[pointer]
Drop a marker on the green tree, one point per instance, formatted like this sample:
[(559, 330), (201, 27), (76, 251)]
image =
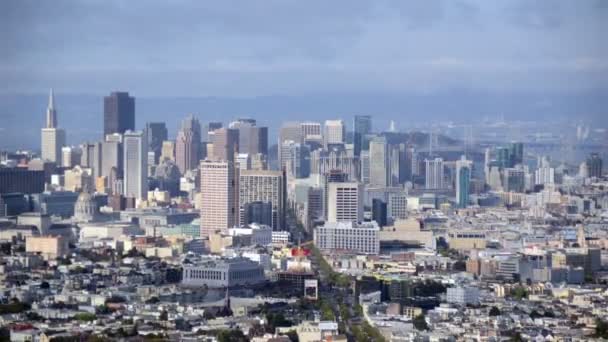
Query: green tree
[(85, 317), (601, 329), (234, 335), (420, 322), (494, 311)]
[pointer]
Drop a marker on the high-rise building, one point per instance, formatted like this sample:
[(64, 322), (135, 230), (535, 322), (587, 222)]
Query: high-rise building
[(364, 161), (336, 158), (513, 180), (594, 165), (394, 165), (362, 127), (463, 181), (118, 113), (52, 137), (135, 164), (434, 174), (379, 212), (379, 165), (225, 144), (345, 202), (168, 151), (335, 132), (252, 138), (311, 131), (397, 205), (263, 186), (348, 236), (92, 157), (209, 130), (257, 212), (516, 152), (70, 156), (219, 196), (156, 133), (111, 155), (188, 145), (295, 159), (333, 176), (544, 174)]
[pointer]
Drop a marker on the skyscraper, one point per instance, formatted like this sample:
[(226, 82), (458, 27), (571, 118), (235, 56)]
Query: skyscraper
[(434, 173), (52, 137), (156, 133), (188, 145), (463, 180), (594, 165), (362, 127), (379, 166), (345, 202), (379, 212), (252, 138), (135, 165), (335, 132), (219, 196), (111, 155), (118, 113), (92, 157), (263, 186), (295, 159), (225, 144)]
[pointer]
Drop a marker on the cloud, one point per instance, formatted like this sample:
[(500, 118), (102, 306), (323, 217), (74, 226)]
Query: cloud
[(258, 48)]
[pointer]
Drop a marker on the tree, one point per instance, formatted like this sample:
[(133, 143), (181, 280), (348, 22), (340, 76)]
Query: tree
[(494, 311), (420, 322), (231, 336), (519, 293), (601, 329), (516, 337), (85, 317), (534, 314), (45, 285), (164, 315)]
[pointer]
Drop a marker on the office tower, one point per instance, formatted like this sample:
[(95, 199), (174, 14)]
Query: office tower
[(118, 113), (295, 159), (188, 145), (397, 205), (156, 133), (335, 132), (112, 156), (21, 180), (336, 158), (311, 131), (379, 212), (252, 138), (78, 179), (92, 157), (513, 180), (594, 165), (243, 161), (365, 167), (434, 174), (544, 174), (378, 160), (257, 212), (135, 173), (263, 186), (348, 236), (345, 202), (289, 131), (225, 144), (168, 151), (52, 137), (70, 156), (463, 181), (333, 176), (362, 127), (219, 196), (209, 130), (394, 165), (259, 161), (516, 153), (406, 158)]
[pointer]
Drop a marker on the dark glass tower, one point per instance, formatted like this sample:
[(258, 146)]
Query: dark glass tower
[(118, 113), (594, 165), (362, 126), (156, 132)]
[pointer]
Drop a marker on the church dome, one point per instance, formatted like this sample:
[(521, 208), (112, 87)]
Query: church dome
[(85, 209)]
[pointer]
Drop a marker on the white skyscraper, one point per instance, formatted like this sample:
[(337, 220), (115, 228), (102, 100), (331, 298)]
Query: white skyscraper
[(263, 186), (345, 202), (378, 161), (135, 164), (219, 196), (52, 138), (434, 174), (335, 132)]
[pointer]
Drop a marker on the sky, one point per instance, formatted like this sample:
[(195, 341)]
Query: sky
[(284, 47)]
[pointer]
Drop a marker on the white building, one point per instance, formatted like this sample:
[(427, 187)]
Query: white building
[(463, 295), (335, 132), (434, 174), (135, 165), (262, 186), (397, 205), (378, 161), (260, 234), (52, 137), (218, 273), (280, 237), (345, 202), (348, 236)]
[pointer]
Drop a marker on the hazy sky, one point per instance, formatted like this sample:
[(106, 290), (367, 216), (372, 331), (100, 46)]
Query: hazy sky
[(267, 47)]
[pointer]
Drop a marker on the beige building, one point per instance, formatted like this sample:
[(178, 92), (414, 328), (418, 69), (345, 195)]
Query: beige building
[(219, 196), (408, 231), (168, 150), (467, 240), (78, 179), (50, 247)]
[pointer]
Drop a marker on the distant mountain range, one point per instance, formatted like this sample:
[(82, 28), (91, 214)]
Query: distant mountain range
[(22, 116)]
